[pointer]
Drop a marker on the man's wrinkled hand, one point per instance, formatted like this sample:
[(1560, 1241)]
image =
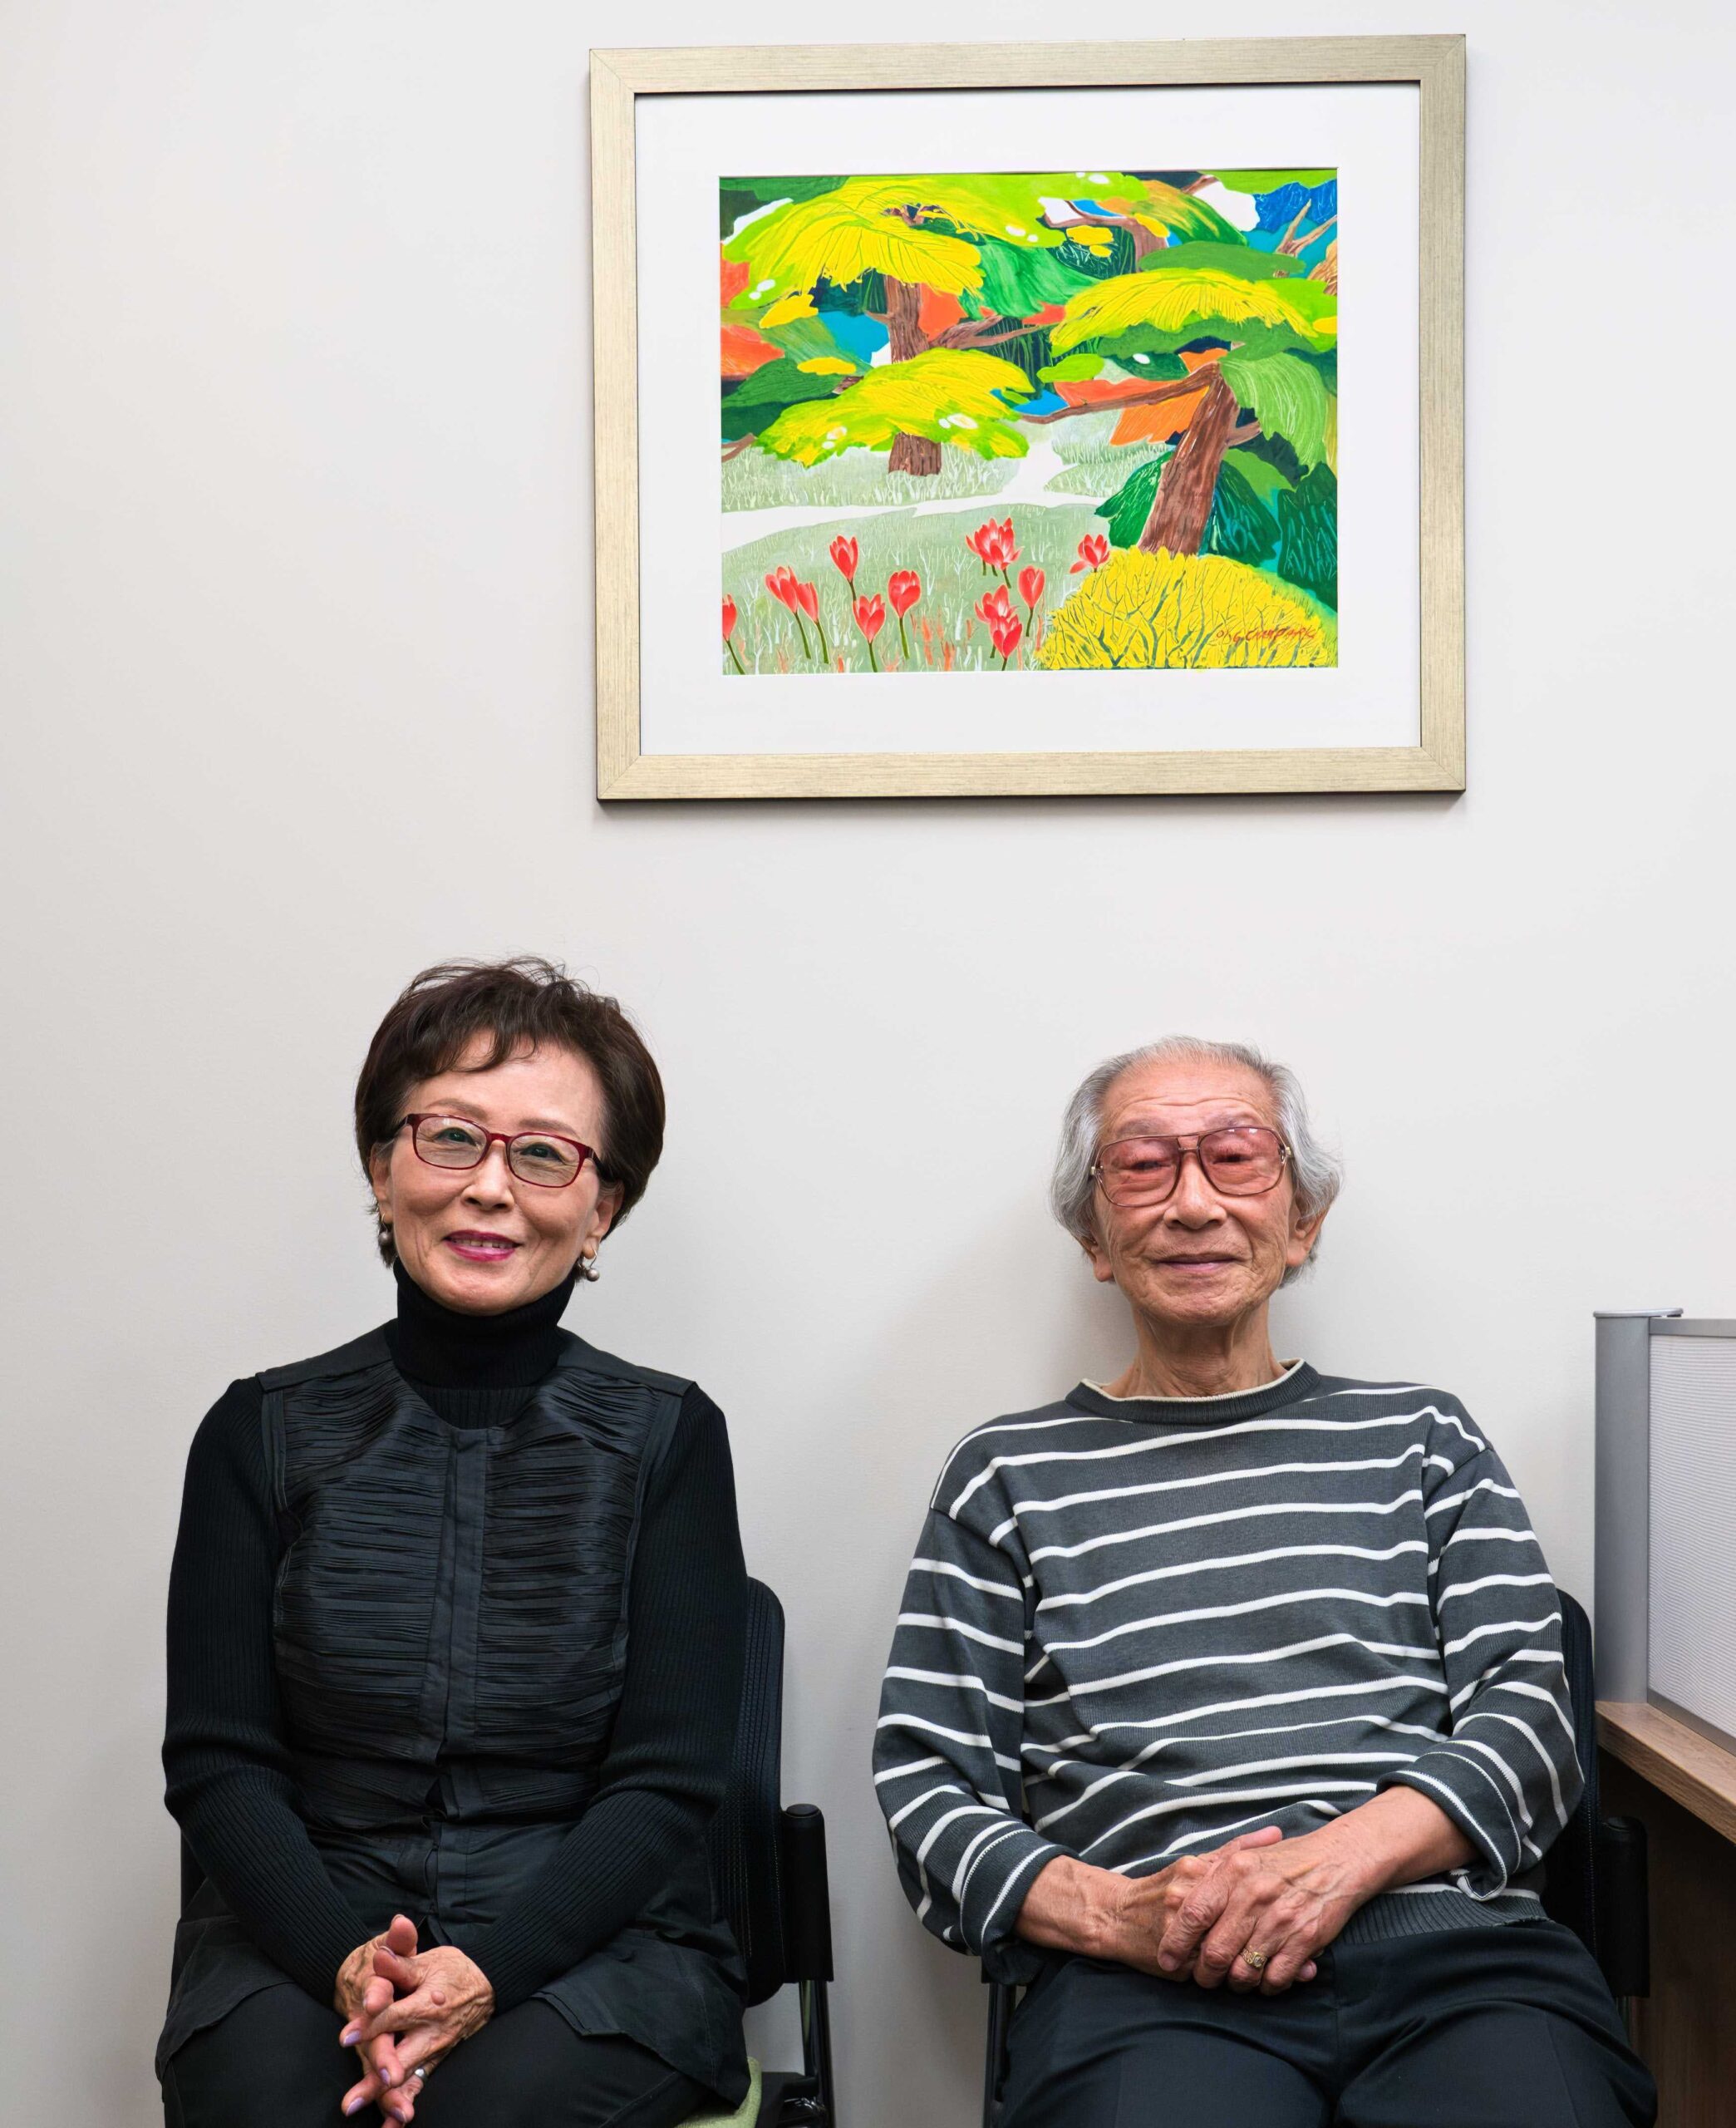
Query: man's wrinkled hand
[(1156, 1910), (1259, 1918)]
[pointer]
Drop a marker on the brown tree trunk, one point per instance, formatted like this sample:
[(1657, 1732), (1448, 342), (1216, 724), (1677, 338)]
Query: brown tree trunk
[(914, 454), (910, 454), (1182, 507)]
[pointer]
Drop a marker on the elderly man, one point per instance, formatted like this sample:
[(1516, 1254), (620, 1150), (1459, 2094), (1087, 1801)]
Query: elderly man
[(1225, 1704)]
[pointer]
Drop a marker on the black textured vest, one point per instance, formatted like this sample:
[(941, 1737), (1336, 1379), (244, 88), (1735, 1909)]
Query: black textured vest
[(449, 1615), (450, 1626)]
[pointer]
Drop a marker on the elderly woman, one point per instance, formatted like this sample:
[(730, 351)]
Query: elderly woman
[(455, 1632), (1226, 1704)]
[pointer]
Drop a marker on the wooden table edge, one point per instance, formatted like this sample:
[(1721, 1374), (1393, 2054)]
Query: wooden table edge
[(1690, 1768)]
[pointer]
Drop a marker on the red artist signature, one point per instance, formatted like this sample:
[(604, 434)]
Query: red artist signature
[(1267, 635)]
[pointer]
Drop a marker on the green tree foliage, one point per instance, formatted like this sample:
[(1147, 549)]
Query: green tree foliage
[(1199, 302), (1290, 399), (1127, 509), (1276, 326), (1241, 528), (1308, 535), (758, 400), (1258, 517), (1004, 247)]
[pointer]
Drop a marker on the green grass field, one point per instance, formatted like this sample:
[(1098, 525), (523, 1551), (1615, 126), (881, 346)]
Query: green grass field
[(756, 480), (1096, 467), (943, 632)]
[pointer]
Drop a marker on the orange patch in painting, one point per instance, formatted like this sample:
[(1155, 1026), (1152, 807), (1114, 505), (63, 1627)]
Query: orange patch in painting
[(732, 279), (938, 310), (1158, 424), (1093, 391), (744, 350)]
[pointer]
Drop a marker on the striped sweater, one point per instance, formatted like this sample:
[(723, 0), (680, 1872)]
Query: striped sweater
[(1135, 1626)]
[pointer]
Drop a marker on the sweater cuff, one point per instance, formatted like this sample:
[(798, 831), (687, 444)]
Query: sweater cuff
[(1463, 1789), (994, 1883)]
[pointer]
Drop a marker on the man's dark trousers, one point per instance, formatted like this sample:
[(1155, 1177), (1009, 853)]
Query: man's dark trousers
[(1502, 2027)]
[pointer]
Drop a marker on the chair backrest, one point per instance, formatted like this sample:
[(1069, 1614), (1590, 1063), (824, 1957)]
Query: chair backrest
[(744, 1838), (1570, 1884)]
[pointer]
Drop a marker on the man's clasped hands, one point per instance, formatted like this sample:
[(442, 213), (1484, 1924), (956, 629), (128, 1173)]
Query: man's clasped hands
[(403, 2011), (1254, 1914)]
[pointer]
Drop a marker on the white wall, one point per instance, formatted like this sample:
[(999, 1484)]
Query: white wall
[(295, 495)]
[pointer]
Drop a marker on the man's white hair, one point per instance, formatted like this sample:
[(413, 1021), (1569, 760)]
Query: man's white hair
[(1315, 1174)]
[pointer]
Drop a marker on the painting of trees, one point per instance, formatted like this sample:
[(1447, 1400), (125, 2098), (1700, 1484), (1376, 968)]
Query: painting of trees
[(925, 322)]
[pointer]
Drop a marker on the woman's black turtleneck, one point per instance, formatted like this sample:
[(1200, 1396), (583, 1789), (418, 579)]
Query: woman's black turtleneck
[(230, 1777), (475, 1370)]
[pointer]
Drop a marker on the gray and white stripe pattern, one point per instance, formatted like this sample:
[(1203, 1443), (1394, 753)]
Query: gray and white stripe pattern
[(1135, 1627)]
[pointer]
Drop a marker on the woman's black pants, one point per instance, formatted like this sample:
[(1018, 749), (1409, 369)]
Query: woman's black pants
[(1501, 2028), (274, 2062)]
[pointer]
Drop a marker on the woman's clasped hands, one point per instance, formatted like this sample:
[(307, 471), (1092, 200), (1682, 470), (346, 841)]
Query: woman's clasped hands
[(404, 2010)]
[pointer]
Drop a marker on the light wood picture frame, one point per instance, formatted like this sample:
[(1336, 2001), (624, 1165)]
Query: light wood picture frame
[(1427, 752)]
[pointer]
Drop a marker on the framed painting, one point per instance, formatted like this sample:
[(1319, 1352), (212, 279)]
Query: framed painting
[(1005, 420)]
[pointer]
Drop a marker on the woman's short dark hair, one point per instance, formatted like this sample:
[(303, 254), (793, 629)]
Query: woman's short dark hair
[(526, 999)]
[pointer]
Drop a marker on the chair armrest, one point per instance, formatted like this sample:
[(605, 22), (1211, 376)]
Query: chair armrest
[(807, 1894), (1624, 1919)]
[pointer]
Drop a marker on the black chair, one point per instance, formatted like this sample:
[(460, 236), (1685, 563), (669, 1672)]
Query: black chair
[(1594, 1876), (771, 1863), (770, 1860)]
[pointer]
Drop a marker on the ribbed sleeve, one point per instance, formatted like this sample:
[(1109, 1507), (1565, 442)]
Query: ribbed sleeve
[(663, 1777), (947, 1763), (224, 1756), (1507, 1774)]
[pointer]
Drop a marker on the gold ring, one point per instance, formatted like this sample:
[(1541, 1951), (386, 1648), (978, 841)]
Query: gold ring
[(1255, 1961)]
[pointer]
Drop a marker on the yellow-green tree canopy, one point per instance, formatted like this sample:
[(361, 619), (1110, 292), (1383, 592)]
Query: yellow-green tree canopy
[(948, 395), (1195, 301), (883, 225)]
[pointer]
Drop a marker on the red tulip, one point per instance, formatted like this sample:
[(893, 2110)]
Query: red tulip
[(904, 588), (807, 597), (783, 588), (844, 553), (1094, 551), (871, 618), (1031, 585), (996, 608), (1007, 638), (994, 544), (729, 618)]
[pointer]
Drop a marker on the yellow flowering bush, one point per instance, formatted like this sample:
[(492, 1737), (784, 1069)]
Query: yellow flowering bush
[(1143, 610)]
